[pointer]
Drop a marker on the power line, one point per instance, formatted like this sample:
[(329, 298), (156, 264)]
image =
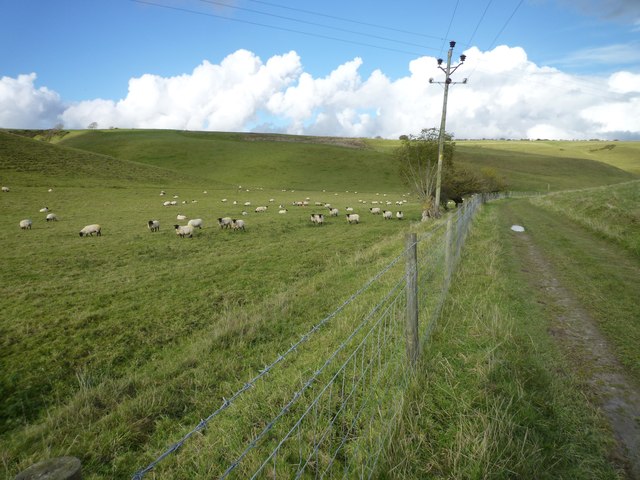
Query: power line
[(347, 20), (290, 30), (475, 30), (449, 27), (505, 24), (282, 17)]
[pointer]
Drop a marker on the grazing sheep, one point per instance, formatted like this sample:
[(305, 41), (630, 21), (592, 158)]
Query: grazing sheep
[(223, 200), (44, 209), (261, 209), (173, 202), (181, 217), (196, 223), (50, 190), (246, 204), (51, 217), (399, 215), (333, 212), (387, 214), (349, 209), (184, 230), (353, 218), (225, 222), (89, 230), (25, 224), (317, 218), (237, 224), (5, 189), (244, 212), (166, 204), (162, 193), (375, 210), (283, 210), (154, 225)]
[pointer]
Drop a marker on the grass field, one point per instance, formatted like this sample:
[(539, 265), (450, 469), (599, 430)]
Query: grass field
[(112, 346)]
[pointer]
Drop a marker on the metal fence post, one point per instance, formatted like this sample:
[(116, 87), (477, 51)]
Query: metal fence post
[(412, 298)]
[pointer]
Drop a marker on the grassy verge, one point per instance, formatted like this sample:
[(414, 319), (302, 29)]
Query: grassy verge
[(603, 277), (492, 397), (612, 212)]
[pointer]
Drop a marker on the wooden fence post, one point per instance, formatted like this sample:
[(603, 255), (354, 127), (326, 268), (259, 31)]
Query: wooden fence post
[(447, 250), (412, 298)]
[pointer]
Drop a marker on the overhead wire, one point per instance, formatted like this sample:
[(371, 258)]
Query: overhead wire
[(316, 24), (285, 29), (444, 40), (343, 19)]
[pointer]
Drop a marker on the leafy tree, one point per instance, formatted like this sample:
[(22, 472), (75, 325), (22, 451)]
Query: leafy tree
[(417, 158), (93, 125)]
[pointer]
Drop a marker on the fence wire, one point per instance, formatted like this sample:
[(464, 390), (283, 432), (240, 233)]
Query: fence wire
[(336, 422)]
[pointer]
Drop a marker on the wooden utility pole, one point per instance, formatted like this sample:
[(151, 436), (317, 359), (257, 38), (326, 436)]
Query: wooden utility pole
[(443, 121)]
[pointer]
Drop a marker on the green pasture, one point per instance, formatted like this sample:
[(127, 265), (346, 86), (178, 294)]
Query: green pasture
[(113, 346)]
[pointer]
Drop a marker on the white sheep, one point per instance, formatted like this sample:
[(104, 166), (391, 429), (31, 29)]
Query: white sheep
[(237, 224), (225, 222), (154, 225), (25, 224), (89, 230), (349, 209), (195, 222), (399, 215), (5, 189), (261, 209), (51, 217), (317, 218), (44, 209), (353, 218), (283, 211), (375, 210), (181, 217), (387, 214), (333, 212), (184, 230), (166, 204)]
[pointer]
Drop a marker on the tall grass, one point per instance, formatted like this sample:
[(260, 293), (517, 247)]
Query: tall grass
[(492, 398)]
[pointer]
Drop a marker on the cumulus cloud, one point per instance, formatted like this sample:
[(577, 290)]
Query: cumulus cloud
[(507, 96), (22, 105)]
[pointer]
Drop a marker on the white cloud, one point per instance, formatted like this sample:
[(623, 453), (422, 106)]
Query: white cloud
[(22, 105), (506, 96)]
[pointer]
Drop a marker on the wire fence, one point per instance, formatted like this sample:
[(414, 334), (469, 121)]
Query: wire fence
[(330, 415)]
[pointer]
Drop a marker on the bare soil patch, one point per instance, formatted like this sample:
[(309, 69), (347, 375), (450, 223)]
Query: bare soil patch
[(576, 331)]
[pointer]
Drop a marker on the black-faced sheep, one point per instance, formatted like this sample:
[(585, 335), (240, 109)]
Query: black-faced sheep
[(89, 230), (317, 218), (51, 217), (237, 224), (196, 223), (375, 210), (154, 225), (399, 215), (387, 214), (25, 224), (225, 222), (353, 218), (184, 230)]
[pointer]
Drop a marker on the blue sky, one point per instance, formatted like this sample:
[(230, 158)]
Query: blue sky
[(84, 54)]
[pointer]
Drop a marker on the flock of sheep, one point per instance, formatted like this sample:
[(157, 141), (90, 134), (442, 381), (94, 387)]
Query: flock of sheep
[(233, 223)]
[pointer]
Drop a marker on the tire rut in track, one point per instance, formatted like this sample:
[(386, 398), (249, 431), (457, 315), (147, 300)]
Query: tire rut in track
[(576, 331)]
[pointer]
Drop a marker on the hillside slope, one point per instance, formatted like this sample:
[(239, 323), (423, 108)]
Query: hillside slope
[(25, 161)]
